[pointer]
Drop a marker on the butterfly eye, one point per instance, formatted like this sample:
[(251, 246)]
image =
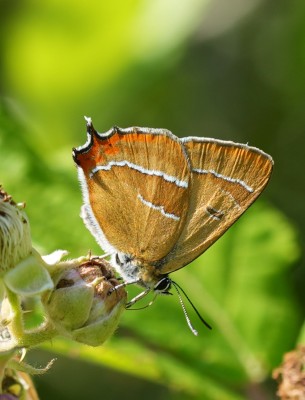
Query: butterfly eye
[(118, 260), (163, 285), (122, 259)]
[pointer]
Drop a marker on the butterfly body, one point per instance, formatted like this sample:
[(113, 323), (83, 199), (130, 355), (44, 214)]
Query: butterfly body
[(156, 202), (131, 270)]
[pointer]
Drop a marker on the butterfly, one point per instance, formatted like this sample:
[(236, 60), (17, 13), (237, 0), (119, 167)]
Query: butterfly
[(155, 202)]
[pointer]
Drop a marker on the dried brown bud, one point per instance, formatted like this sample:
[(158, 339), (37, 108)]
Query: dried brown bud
[(291, 375)]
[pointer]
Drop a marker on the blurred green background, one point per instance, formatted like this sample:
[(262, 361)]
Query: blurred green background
[(232, 70)]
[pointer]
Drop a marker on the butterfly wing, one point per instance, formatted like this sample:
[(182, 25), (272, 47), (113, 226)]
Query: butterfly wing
[(136, 199), (226, 179)]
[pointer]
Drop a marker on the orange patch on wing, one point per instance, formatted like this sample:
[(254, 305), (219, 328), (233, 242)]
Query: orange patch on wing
[(110, 145), (104, 148)]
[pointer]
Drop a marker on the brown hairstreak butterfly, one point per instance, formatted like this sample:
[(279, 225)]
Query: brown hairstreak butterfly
[(155, 202)]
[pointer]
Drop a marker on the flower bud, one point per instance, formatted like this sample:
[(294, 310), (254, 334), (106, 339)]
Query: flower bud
[(17, 385), (83, 305), (15, 236)]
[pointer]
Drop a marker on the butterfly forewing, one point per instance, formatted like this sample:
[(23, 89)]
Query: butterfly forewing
[(136, 194), (226, 179)]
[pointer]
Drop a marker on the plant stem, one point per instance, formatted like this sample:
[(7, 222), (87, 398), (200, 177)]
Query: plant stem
[(16, 324), (20, 337), (38, 335)]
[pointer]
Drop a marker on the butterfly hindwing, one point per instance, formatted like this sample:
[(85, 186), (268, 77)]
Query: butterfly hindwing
[(226, 179)]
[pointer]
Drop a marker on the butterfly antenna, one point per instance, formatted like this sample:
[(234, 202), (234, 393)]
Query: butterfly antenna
[(177, 287)]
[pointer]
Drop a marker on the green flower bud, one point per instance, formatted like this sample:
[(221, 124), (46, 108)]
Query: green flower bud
[(15, 236), (83, 306)]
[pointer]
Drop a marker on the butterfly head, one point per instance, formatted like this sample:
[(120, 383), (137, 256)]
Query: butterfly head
[(163, 285)]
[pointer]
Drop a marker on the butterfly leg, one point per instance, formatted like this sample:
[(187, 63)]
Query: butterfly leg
[(124, 284), (138, 297)]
